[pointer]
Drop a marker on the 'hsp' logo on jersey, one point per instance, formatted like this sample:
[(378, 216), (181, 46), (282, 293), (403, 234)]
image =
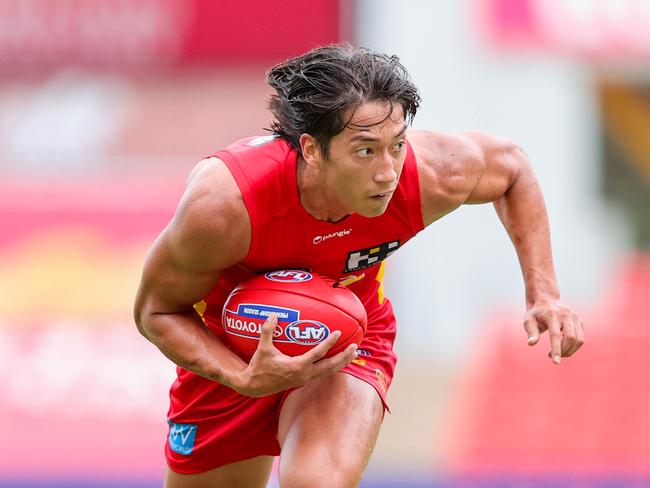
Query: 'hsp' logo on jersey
[(364, 258)]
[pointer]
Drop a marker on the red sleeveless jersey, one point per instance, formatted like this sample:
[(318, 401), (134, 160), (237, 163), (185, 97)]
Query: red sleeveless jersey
[(285, 236), (230, 427)]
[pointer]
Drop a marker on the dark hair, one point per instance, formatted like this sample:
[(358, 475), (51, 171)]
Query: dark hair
[(314, 90)]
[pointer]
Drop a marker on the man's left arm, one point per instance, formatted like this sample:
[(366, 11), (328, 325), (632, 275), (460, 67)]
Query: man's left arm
[(504, 176)]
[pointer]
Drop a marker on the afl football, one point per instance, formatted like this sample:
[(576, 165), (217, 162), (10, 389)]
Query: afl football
[(309, 308)]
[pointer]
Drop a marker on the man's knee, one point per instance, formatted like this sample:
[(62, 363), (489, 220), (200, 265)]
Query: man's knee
[(324, 464), (320, 474)]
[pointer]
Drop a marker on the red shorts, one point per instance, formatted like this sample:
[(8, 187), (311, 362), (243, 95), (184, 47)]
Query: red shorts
[(211, 425)]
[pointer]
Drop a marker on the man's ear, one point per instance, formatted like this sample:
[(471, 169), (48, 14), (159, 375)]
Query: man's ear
[(310, 151)]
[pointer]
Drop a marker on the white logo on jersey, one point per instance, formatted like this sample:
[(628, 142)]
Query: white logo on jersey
[(258, 141), (340, 233)]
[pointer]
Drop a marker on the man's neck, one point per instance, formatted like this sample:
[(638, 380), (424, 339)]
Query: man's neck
[(314, 196)]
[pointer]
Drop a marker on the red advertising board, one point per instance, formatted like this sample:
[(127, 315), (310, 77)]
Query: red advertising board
[(605, 29), (133, 34)]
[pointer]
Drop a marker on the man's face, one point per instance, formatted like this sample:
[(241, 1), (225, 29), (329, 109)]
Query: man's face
[(365, 161)]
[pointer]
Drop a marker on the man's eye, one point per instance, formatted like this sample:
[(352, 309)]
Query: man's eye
[(399, 146), (365, 152)]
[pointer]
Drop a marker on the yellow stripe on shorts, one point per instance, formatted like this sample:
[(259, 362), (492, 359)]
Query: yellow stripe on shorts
[(200, 307), (380, 279)]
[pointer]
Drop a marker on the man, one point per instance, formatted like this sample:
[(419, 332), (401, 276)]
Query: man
[(341, 185)]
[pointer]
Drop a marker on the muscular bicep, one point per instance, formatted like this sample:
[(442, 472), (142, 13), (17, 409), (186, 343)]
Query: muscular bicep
[(495, 169), (210, 232), (168, 285)]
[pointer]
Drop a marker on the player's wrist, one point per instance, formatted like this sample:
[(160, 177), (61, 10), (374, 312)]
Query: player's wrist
[(243, 382), (543, 289), (542, 298), (229, 376)]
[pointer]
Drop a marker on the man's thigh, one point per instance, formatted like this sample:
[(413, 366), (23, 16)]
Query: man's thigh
[(327, 430), (251, 473)]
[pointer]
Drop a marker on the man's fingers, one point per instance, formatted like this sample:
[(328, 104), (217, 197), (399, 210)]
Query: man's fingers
[(580, 332), (564, 326), (568, 337), (333, 364), (532, 329), (555, 334), (573, 336), (267, 330), (321, 349)]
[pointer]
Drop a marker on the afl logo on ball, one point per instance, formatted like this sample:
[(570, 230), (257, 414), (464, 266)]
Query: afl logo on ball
[(289, 276), (307, 332)]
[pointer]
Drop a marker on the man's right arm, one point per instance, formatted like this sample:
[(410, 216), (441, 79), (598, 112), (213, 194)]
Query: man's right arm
[(210, 232)]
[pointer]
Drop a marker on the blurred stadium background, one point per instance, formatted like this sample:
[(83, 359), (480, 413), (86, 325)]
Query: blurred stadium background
[(105, 106)]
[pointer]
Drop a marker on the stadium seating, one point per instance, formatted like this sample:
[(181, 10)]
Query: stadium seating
[(516, 415)]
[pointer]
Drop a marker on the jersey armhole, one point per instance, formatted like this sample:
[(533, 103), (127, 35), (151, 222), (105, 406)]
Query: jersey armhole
[(416, 219), (232, 163)]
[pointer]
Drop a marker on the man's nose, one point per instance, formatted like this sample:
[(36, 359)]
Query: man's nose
[(386, 172)]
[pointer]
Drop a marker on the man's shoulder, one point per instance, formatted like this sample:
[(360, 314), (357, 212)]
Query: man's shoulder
[(210, 215), (447, 167), (212, 192), (465, 147), (216, 176), (271, 146), (431, 147)]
